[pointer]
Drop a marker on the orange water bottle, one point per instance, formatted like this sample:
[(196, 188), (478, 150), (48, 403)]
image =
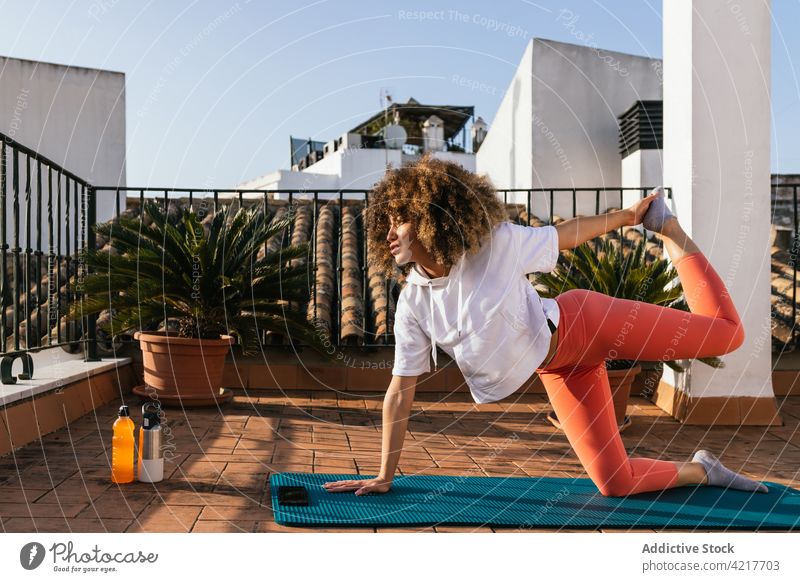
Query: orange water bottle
[(122, 448)]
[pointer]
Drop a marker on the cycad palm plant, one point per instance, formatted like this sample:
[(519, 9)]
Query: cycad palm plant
[(608, 270), (209, 282), (204, 276)]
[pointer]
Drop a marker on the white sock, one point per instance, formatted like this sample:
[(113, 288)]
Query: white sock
[(721, 476)]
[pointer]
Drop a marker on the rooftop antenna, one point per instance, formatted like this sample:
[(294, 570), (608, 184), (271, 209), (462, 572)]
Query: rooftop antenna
[(385, 102), (385, 97)]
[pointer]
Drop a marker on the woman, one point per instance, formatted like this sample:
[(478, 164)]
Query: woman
[(467, 293)]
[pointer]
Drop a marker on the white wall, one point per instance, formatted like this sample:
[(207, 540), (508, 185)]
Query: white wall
[(361, 168), (640, 169), (287, 179), (557, 125), (72, 115), (717, 158), (505, 155), (678, 124), (348, 169), (466, 160)]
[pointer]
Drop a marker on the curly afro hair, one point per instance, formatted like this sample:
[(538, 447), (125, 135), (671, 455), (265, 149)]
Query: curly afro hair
[(453, 211)]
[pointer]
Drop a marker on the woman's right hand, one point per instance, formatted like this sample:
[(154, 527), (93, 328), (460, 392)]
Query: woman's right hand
[(361, 486)]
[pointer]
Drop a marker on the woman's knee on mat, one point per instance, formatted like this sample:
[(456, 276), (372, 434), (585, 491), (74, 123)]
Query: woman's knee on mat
[(615, 479), (616, 486)]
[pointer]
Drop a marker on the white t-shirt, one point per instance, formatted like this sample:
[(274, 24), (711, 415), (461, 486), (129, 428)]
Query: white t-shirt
[(484, 314)]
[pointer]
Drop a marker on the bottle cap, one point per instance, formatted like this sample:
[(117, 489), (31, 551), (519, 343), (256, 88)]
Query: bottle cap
[(150, 416), (123, 410)]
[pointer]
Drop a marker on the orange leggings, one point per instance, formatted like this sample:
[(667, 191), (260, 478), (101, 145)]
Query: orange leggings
[(594, 327)]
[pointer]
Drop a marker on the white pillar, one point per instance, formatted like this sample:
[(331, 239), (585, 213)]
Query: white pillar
[(717, 160)]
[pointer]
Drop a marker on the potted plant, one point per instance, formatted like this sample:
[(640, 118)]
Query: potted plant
[(191, 287), (632, 275)]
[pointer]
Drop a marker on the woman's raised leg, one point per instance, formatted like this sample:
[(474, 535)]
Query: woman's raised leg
[(630, 329), (612, 328)]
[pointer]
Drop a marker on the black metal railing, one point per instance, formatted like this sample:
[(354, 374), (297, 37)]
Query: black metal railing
[(293, 198), (375, 331), (784, 301), (44, 214)]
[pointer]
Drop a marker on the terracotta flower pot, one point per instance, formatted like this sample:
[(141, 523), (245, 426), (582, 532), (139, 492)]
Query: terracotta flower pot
[(186, 371), (645, 384), (620, 381)]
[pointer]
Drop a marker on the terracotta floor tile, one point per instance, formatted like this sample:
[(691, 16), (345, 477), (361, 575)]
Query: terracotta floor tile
[(66, 510), (37, 479), (251, 442), (249, 467), (223, 527), (348, 468), (39, 525), (53, 496), (76, 525), (419, 468), (250, 512), (351, 530), (195, 468), (463, 529), (428, 529), (299, 456), (251, 489), (114, 504), (544, 530), (236, 457), (176, 498), (242, 482), (290, 467), (89, 487), (271, 526), (158, 517), (217, 473), (21, 494), (457, 466)]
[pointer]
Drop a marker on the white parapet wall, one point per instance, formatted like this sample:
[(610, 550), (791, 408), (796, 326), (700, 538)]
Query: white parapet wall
[(74, 116), (717, 159)]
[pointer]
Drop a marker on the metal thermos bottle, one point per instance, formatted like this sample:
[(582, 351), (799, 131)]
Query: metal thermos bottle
[(151, 458)]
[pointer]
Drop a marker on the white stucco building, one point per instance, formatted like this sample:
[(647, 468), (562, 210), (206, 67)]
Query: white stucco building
[(358, 159), (557, 125)]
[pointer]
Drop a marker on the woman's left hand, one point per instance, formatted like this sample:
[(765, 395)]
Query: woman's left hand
[(639, 209)]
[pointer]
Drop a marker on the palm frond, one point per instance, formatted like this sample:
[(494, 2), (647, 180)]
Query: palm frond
[(179, 267)]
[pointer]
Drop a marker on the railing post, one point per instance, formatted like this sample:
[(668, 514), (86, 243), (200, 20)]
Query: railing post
[(90, 245)]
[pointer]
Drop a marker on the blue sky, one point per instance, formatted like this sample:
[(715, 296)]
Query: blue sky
[(214, 89)]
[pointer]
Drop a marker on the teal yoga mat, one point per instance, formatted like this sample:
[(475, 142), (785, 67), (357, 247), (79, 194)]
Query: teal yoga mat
[(533, 503)]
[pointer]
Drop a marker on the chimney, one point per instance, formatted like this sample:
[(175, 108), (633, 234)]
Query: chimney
[(479, 131), (433, 134)]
